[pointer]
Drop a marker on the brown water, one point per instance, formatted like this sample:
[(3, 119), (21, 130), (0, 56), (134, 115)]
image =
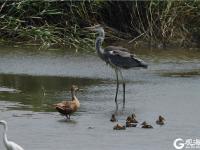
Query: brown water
[(31, 81)]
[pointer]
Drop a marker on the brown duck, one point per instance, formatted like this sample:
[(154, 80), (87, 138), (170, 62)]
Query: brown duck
[(66, 108), (145, 125), (119, 127), (132, 119), (160, 120), (129, 124)]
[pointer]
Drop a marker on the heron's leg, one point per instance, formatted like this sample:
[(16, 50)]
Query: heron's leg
[(124, 85), (116, 71)]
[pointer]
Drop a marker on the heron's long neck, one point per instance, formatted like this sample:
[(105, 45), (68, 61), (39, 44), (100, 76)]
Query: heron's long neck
[(5, 140), (99, 41)]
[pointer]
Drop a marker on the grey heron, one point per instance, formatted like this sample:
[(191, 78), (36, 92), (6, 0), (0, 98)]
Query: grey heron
[(117, 57), (9, 144)]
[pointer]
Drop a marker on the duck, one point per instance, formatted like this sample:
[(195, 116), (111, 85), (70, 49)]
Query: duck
[(113, 118), (145, 125), (160, 120), (119, 127), (132, 119), (129, 124), (67, 108)]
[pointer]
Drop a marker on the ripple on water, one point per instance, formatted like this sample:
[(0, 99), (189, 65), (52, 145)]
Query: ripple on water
[(9, 90), (184, 74)]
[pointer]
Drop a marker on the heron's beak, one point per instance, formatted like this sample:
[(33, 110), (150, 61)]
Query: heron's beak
[(92, 28)]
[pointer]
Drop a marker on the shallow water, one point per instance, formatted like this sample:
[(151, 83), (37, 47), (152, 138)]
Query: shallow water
[(31, 81)]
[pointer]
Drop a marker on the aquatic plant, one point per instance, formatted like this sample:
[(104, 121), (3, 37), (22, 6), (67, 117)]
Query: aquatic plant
[(60, 23)]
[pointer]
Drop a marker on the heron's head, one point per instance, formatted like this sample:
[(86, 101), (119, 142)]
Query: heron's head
[(3, 122), (97, 28), (74, 88)]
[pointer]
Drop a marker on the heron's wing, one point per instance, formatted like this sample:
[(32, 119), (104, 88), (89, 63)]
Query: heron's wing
[(112, 48), (124, 59)]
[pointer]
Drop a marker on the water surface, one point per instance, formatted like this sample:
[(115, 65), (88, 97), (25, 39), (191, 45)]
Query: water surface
[(31, 81)]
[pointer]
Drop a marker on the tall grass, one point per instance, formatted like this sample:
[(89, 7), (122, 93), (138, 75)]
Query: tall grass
[(45, 22), (60, 23), (158, 22)]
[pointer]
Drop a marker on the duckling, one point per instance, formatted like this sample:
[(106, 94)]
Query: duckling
[(129, 124), (160, 120), (119, 127), (131, 119), (113, 118), (145, 125), (128, 119), (133, 115), (66, 108)]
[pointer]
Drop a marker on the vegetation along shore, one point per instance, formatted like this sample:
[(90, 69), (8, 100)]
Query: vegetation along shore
[(153, 23)]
